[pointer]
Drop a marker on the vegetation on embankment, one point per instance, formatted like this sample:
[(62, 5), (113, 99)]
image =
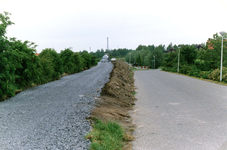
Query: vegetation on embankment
[(105, 136)]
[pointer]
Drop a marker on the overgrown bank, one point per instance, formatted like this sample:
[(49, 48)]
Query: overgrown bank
[(116, 101)]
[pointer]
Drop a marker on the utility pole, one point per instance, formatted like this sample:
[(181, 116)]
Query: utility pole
[(154, 62), (178, 60), (107, 43), (90, 49)]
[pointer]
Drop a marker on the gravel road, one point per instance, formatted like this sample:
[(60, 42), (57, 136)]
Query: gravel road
[(175, 112), (53, 115)]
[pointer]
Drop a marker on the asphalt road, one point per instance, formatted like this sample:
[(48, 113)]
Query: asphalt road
[(176, 112), (53, 116)]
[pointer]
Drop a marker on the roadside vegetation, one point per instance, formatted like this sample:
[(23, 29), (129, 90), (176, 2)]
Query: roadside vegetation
[(21, 68), (202, 61), (105, 136)]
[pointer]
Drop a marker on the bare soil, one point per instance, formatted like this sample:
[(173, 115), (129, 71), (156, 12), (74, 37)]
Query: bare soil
[(117, 100)]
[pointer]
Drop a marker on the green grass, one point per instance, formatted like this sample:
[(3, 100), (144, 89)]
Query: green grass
[(208, 80), (106, 136), (134, 93), (134, 69)]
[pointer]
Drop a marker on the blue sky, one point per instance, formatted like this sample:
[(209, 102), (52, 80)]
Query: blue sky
[(82, 24)]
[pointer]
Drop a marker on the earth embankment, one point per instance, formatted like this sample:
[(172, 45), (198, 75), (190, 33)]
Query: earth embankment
[(117, 99)]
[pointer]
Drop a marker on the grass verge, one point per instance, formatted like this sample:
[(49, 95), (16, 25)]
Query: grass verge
[(134, 69), (106, 136), (208, 80)]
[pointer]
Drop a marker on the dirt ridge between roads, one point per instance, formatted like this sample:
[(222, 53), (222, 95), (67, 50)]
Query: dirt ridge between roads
[(117, 100)]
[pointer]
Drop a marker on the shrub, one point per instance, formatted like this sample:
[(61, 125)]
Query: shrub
[(185, 69), (194, 71), (215, 74), (204, 74)]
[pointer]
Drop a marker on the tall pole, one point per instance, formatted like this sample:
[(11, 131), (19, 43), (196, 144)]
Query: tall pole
[(129, 60), (221, 59), (154, 62), (107, 43), (178, 61)]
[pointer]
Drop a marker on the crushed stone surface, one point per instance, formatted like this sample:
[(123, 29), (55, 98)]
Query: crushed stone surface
[(53, 115)]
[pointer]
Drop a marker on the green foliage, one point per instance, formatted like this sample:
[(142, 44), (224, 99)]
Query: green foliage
[(194, 71), (170, 59), (67, 59), (106, 136), (215, 74), (138, 60), (188, 54), (158, 53), (5, 22), (144, 56), (52, 65), (204, 74), (20, 67), (87, 59), (78, 60), (116, 53), (141, 47)]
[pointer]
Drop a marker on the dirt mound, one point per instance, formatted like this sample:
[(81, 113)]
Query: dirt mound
[(117, 99), (120, 85)]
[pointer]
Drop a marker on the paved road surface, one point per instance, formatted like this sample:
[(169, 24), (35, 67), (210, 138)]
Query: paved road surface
[(52, 116), (175, 112)]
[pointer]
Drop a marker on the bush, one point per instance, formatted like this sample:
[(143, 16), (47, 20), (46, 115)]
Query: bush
[(215, 74), (204, 74), (194, 71), (185, 69)]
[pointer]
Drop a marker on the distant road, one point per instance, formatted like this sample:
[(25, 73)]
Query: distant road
[(175, 112)]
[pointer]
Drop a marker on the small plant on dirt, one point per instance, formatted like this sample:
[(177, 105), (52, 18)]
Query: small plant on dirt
[(134, 93), (106, 136)]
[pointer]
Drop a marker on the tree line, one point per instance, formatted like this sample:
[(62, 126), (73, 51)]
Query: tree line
[(21, 68), (195, 60), (116, 53), (145, 55), (201, 61)]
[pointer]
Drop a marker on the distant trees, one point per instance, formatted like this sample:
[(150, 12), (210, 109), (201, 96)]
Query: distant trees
[(121, 52), (144, 55)]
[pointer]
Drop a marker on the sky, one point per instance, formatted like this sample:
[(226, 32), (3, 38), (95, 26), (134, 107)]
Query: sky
[(86, 24)]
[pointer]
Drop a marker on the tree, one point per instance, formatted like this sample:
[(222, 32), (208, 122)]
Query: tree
[(158, 53), (52, 65), (188, 54), (77, 59), (5, 22), (170, 46), (141, 47), (138, 60), (150, 47), (67, 59), (87, 59)]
